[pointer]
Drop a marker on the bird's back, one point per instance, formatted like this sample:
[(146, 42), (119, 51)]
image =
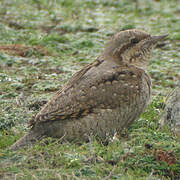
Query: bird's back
[(106, 98)]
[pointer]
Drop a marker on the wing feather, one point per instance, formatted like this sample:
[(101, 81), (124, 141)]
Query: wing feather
[(92, 87)]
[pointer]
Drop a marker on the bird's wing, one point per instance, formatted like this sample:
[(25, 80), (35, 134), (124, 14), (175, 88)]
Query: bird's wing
[(91, 88)]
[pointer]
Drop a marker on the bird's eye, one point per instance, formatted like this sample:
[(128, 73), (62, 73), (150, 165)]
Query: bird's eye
[(134, 41)]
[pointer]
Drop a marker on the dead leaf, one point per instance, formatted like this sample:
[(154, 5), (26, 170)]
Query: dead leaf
[(166, 156)]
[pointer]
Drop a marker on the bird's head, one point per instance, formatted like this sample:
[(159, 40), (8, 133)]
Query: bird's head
[(132, 47)]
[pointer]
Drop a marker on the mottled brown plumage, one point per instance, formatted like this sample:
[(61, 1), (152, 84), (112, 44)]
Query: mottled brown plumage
[(102, 98)]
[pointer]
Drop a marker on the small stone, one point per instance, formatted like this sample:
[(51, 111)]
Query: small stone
[(93, 87), (171, 114), (115, 94), (108, 83)]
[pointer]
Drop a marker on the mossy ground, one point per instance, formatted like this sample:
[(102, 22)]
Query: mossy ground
[(42, 43)]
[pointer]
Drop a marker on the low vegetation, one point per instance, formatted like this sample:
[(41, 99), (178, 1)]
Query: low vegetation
[(42, 44)]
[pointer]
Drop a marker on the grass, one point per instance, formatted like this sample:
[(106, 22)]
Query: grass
[(42, 44)]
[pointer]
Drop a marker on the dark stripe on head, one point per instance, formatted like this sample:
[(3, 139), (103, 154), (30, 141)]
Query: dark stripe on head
[(125, 47)]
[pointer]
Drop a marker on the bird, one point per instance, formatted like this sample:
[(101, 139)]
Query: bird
[(102, 98)]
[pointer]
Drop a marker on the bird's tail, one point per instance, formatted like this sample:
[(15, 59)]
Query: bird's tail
[(27, 140)]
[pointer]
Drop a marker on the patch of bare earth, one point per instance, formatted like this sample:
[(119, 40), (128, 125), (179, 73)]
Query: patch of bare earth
[(23, 50)]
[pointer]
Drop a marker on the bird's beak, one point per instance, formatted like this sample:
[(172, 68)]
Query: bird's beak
[(155, 39)]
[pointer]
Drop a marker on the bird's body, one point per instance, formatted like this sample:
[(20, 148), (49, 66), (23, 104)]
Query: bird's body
[(102, 98)]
